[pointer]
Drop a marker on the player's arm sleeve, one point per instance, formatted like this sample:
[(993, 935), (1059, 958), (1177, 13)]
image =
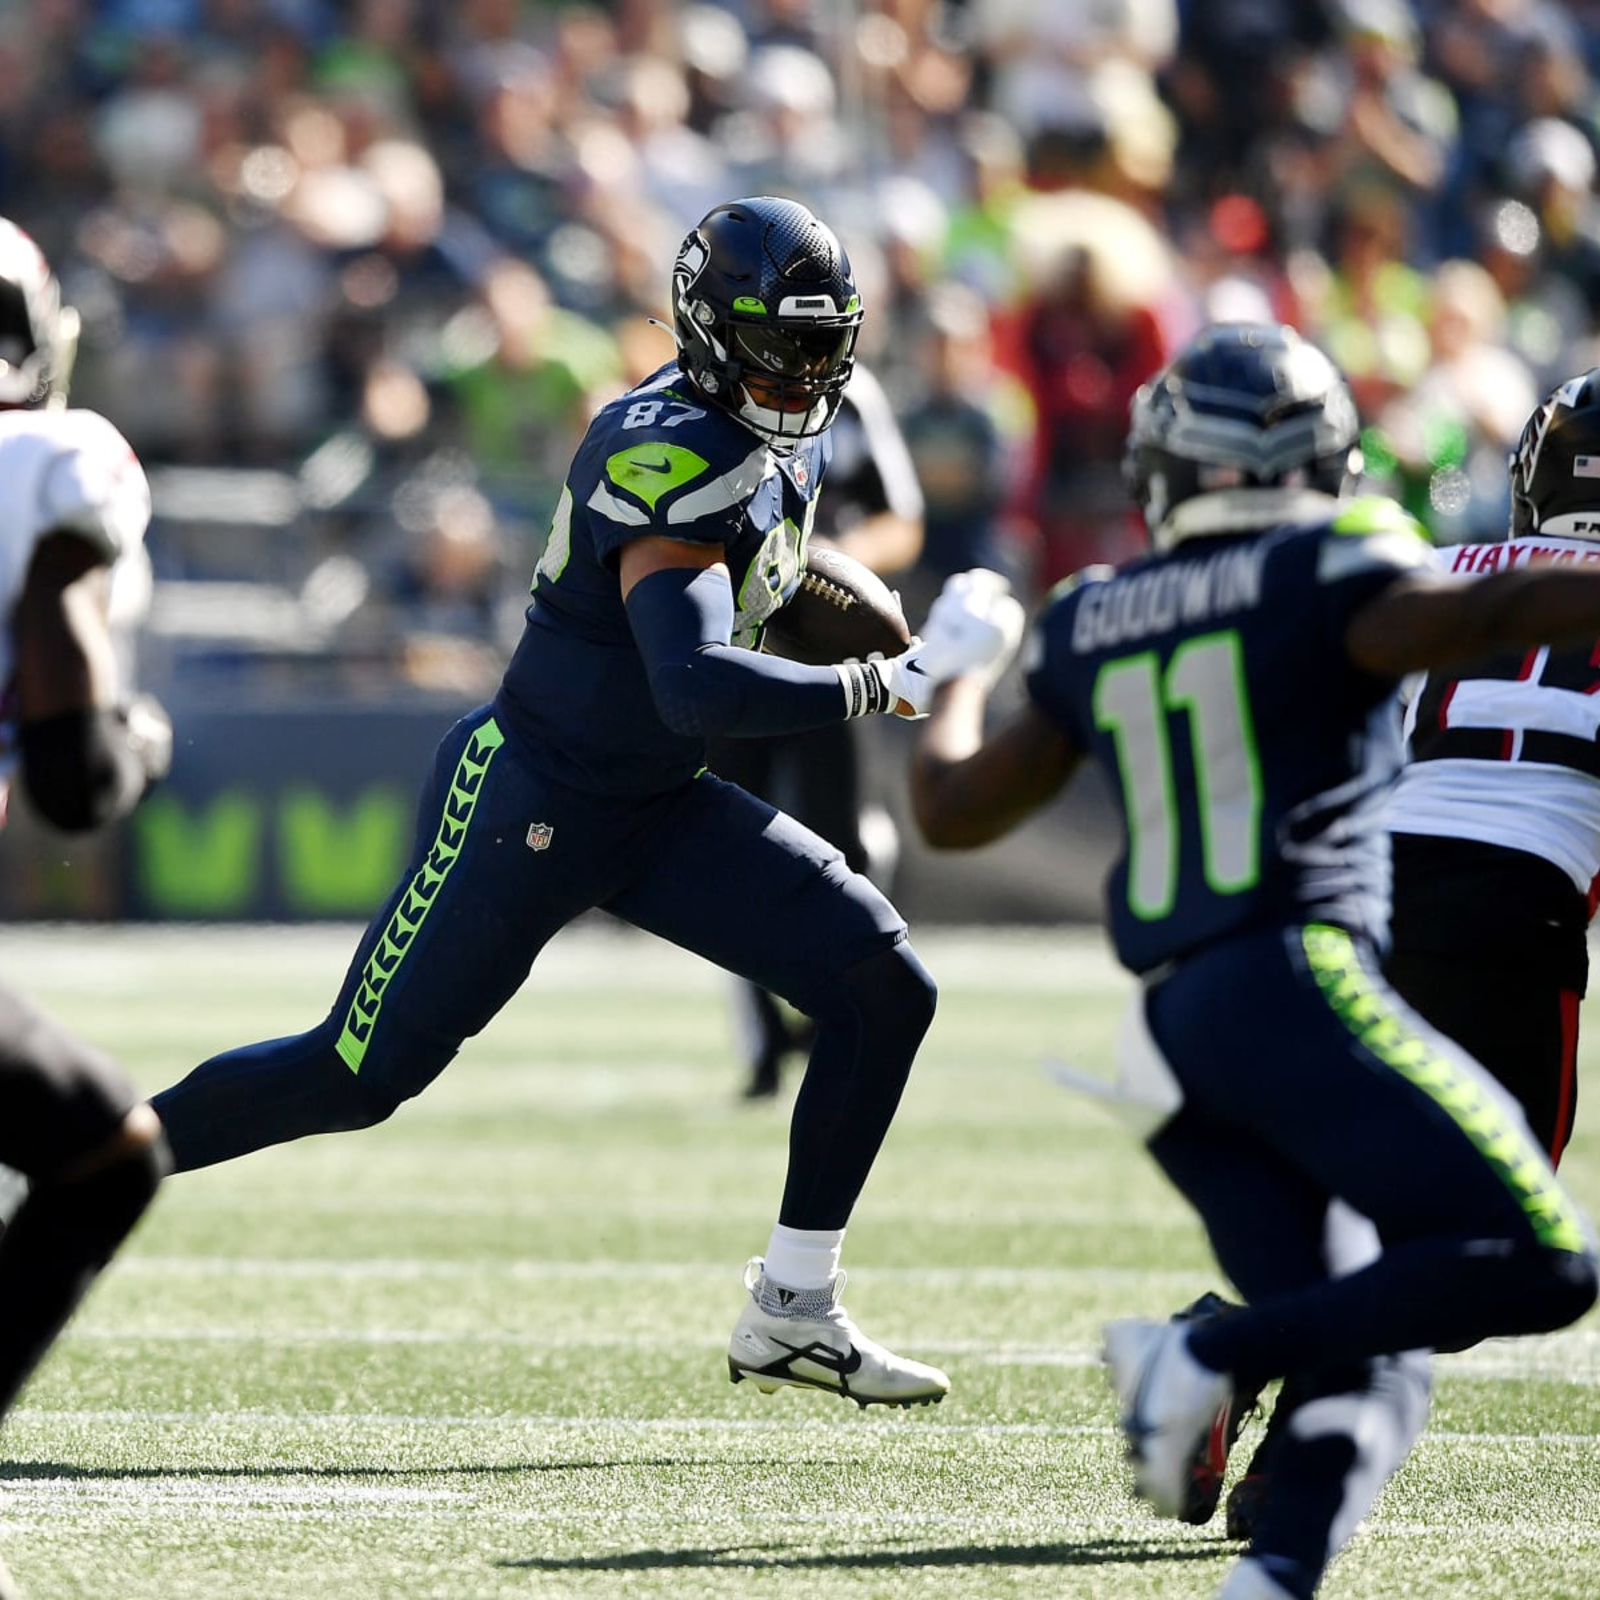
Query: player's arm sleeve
[(82, 769), (704, 687)]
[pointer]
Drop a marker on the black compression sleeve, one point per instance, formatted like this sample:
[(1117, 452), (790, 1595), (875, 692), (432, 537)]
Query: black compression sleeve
[(703, 686), (80, 769)]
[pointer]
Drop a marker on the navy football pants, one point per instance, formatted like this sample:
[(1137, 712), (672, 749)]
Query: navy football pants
[(1306, 1078), (504, 859)]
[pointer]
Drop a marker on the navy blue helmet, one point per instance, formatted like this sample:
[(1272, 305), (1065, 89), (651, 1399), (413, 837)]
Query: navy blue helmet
[(1244, 407), (766, 312)]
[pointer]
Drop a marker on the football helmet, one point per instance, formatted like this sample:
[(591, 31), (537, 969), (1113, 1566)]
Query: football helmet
[(38, 335), (766, 313), (1555, 468), (1246, 427)]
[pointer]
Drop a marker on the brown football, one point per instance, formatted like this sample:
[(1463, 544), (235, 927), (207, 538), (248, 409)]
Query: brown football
[(840, 609)]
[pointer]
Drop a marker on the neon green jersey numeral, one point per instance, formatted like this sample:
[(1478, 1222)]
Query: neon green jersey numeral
[(558, 547), (1135, 701)]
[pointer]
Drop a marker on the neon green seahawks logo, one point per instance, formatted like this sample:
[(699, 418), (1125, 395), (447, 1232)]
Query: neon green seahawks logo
[(401, 929), (748, 304), (1367, 1013)]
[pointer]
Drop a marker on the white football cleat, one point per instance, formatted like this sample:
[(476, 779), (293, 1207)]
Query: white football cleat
[(811, 1343), (1168, 1401)]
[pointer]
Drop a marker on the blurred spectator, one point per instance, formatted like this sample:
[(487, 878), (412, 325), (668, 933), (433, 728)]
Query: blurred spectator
[(449, 598), (1441, 445), (681, 171), (1546, 315), (1379, 120), (1368, 306), (1478, 47), (1045, 60), (967, 429), (1234, 266), (1230, 83), (1103, 302), (788, 138), (977, 246), (358, 235), (522, 377), (1552, 166)]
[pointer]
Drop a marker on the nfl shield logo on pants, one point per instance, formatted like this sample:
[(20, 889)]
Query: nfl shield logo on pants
[(539, 834)]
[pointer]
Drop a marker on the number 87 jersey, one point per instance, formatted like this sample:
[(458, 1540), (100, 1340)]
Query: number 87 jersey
[(1246, 753)]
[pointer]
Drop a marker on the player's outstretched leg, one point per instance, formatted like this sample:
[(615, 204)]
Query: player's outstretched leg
[(804, 1338), (1167, 1401)]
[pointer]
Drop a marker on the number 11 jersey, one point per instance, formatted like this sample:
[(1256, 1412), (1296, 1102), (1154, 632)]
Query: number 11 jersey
[(1245, 751)]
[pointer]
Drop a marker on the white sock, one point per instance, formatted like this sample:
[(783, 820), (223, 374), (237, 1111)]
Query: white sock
[(803, 1258)]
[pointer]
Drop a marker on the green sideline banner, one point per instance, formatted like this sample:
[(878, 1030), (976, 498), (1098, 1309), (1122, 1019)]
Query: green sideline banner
[(282, 814)]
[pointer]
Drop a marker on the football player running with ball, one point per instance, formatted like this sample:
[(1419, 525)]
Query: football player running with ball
[(1237, 688), (681, 529), (73, 505)]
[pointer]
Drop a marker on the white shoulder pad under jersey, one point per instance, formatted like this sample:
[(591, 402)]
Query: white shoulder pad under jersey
[(69, 471)]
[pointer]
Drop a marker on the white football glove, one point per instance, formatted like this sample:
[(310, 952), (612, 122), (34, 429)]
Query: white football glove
[(975, 626), (148, 730)]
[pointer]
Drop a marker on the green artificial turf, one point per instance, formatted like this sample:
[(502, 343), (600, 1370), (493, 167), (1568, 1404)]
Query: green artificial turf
[(479, 1352)]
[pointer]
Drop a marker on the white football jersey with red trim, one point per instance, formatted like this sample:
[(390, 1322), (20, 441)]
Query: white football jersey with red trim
[(66, 471), (1506, 751)]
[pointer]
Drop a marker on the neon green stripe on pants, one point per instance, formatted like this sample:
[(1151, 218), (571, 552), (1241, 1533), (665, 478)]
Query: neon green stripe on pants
[(401, 929)]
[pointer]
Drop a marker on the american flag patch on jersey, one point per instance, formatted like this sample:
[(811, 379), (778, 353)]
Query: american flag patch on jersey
[(1586, 466)]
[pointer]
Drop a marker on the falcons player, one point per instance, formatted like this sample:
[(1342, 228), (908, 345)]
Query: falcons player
[(73, 508)]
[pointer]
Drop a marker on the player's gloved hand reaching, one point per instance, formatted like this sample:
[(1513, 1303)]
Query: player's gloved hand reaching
[(975, 626), (149, 734)]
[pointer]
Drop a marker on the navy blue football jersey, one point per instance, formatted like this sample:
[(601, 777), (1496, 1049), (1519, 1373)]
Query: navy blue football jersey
[(658, 461), (1246, 752)]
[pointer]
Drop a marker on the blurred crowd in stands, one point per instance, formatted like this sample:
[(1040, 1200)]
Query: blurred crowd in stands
[(355, 273)]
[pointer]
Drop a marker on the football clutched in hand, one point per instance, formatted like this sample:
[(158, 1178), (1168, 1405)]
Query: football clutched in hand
[(841, 609)]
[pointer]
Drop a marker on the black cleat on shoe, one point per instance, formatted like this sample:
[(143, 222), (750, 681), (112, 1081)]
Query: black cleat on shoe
[(1245, 1501)]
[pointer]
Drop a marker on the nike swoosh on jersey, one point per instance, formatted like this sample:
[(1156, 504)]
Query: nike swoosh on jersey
[(653, 466)]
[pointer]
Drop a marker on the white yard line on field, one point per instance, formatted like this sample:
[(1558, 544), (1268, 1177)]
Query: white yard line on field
[(833, 1420)]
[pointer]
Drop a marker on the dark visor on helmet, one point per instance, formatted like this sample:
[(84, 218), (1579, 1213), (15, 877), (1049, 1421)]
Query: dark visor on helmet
[(811, 355)]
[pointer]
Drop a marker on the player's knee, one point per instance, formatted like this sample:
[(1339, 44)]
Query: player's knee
[(893, 992), (1554, 1288), (358, 1101), (1573, 1285), (399, 1070)]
